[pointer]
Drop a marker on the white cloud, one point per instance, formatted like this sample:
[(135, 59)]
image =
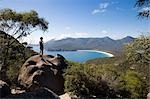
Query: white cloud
[(95, 11), (67, 28), (145, 9), (114, 2), (103, 5), (120, 9), (72, 35), (101, 9), (35, 37), (104, 32)]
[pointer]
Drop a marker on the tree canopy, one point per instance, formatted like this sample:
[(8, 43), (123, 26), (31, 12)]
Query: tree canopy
[(19, 24), (144, 6), (138, 55), (139, 50), (15, 25)]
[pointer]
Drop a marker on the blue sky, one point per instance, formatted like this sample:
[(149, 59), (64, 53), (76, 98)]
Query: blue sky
[(83, 18)]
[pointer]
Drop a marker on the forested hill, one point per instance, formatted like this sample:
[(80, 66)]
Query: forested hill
[(104, 44), (12, 55)]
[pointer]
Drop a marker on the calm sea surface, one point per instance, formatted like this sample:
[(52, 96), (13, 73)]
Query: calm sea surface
[(76, 56)]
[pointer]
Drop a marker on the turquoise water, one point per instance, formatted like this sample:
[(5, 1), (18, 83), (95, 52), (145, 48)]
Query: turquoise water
[(76, 56)]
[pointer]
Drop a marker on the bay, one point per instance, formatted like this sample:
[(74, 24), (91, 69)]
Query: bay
[(80, 56)]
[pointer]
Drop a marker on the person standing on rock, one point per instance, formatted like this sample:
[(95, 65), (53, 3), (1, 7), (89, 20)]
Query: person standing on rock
[(41, 45)]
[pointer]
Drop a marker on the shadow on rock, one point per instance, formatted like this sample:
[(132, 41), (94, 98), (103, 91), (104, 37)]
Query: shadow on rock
[(43, 71), (41, 93)]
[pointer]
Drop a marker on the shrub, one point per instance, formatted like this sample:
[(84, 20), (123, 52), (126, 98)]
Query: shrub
[(12, 58), (132, 85), (138, 56), (89, 80)]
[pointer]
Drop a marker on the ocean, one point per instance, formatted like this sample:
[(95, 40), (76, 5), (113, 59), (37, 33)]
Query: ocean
[(80, 56)]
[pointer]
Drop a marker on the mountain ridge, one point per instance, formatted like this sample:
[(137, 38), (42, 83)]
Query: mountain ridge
[(105, 44), (106, 37)]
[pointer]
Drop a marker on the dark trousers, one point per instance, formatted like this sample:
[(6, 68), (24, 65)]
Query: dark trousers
[(41, 50)]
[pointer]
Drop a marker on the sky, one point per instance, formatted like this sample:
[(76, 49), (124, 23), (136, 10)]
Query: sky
[(83, 18)]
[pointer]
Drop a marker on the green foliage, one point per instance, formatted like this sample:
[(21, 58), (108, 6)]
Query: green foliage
[(16, 55), (108, 60), (21, 24), (129, 83), (138, 56), (14, 26), (98, 80), (139, 50), (133, 80), (118, 62), (90, 80), (141, 4), (133, 85), (15, 58)]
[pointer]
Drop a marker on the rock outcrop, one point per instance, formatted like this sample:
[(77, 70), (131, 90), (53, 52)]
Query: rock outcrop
[(43, 71), (4, 89), (148, 96)]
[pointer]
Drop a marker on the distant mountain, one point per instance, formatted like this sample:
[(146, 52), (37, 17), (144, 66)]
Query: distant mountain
[(104, 44), (126, 39)]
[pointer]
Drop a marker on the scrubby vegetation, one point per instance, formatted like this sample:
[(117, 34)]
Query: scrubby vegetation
[(138, 56), (90, 80), (13, 26), (132, 85), (107, 60), (125, 76), (13, 57)]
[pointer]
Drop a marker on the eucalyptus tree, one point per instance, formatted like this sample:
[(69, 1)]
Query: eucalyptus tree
[(21, 24), (138, 56), (144, 6), (18, 25)]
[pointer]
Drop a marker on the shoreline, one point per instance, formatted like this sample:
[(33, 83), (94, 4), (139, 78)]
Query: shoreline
[(103, 52), (109, 54)]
